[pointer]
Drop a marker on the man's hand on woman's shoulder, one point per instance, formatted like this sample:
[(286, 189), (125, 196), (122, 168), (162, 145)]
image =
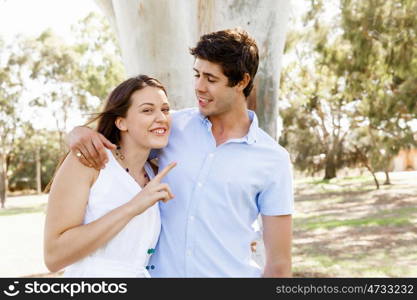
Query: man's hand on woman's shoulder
[(89, 146)]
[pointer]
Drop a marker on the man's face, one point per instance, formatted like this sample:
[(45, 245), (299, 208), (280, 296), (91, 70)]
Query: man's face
[(214, 96)]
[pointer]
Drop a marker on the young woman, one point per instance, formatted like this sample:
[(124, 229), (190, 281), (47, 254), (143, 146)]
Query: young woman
[(105, 223)]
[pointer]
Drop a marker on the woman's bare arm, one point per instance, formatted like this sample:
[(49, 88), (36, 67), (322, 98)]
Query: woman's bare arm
[(67, 239)]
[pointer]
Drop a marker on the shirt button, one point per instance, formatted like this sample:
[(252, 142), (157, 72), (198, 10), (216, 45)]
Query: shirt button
[(199, 184), (192, 218), (189, 253), (211, 155)]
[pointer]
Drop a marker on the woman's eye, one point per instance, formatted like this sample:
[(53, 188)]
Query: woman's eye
[(166, 110), (210, 80), (196, 75), (147, 110)]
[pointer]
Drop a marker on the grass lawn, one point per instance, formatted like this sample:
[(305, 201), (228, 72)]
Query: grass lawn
[(346, 228), (342, 228)]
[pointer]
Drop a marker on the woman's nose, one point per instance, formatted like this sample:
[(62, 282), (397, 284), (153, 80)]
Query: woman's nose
[(161, 116)]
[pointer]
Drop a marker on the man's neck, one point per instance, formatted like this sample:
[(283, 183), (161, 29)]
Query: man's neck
[(231, 125)]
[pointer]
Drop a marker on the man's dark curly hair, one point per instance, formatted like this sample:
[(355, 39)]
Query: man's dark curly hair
[(234, 50)]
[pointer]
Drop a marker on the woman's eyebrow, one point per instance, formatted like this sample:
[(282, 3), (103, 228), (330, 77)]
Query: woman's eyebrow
[(146, 104)]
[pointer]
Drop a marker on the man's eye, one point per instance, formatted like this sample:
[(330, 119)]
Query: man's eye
[(196, 75), (210, 80)]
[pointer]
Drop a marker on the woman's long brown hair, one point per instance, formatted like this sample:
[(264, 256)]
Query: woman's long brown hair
[(116, 106)]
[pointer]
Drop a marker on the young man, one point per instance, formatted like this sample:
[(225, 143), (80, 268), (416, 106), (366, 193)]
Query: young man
[(228, 172)]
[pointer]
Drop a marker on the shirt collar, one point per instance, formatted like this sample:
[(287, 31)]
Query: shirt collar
[(250, 138)]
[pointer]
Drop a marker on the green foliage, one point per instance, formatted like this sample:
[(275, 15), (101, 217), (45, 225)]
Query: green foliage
[(76, 73), (71, 78), (22, 161), (351, 91), (101, 68)]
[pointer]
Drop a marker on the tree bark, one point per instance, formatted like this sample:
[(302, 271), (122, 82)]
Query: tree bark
[(330, 168), (155, 37), (266, 21), (387, 179), (373, 175), (3, 180), (38, 171), (365, 162)]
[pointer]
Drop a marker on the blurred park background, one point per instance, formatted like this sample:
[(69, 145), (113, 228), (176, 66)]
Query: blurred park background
[(347, 114)]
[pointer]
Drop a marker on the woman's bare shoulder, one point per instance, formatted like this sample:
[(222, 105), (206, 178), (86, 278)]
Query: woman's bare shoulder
[(72, 168)]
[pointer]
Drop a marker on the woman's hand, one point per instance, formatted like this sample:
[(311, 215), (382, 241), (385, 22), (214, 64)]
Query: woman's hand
[(153, 192)]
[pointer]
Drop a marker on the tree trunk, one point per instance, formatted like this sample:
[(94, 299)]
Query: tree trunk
[(266, 21), (155, 37), (387, 179), (373, 175), (38, 171), (330, 168), (3, 180), (375, 180), (365, 162)]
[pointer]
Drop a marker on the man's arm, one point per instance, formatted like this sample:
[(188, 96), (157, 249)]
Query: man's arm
[(89, 146), (277, 236)]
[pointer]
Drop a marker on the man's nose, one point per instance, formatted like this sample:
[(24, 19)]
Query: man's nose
[(200, 84)]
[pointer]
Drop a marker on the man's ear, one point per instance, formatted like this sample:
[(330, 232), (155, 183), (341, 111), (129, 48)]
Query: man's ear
[(120, 123), (244, 82)]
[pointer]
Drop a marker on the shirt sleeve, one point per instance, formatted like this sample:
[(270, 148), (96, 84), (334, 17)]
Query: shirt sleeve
[(278, 197)]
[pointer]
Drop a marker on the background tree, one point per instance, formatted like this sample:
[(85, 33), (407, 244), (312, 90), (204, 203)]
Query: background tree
[(24, 161), (11, 88), (317, 109), (351, 92), (47, 76), (382, 69), (76, 77), (155, 37), (100, 68)]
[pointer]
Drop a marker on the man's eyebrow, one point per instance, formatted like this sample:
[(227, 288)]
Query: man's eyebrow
[(207, 74)]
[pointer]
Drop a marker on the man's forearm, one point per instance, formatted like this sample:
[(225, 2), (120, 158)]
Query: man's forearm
[(281, 269)]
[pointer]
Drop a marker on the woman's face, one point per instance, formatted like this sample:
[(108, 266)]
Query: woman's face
[(148, 120)]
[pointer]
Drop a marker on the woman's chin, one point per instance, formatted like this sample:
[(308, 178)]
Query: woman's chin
[(159, 144)]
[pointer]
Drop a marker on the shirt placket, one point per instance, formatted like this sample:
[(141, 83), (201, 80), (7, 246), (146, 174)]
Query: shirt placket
[(196, 196)]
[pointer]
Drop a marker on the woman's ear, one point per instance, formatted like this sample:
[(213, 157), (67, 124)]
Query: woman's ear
[(120, 123)]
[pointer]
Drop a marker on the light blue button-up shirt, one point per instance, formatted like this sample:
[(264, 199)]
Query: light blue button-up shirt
[(219, 192)]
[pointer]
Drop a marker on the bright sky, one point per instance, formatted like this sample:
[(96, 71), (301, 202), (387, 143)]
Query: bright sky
[(30, 18)]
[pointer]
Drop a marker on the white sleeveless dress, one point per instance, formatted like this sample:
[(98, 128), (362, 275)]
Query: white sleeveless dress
[(128, 253)]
